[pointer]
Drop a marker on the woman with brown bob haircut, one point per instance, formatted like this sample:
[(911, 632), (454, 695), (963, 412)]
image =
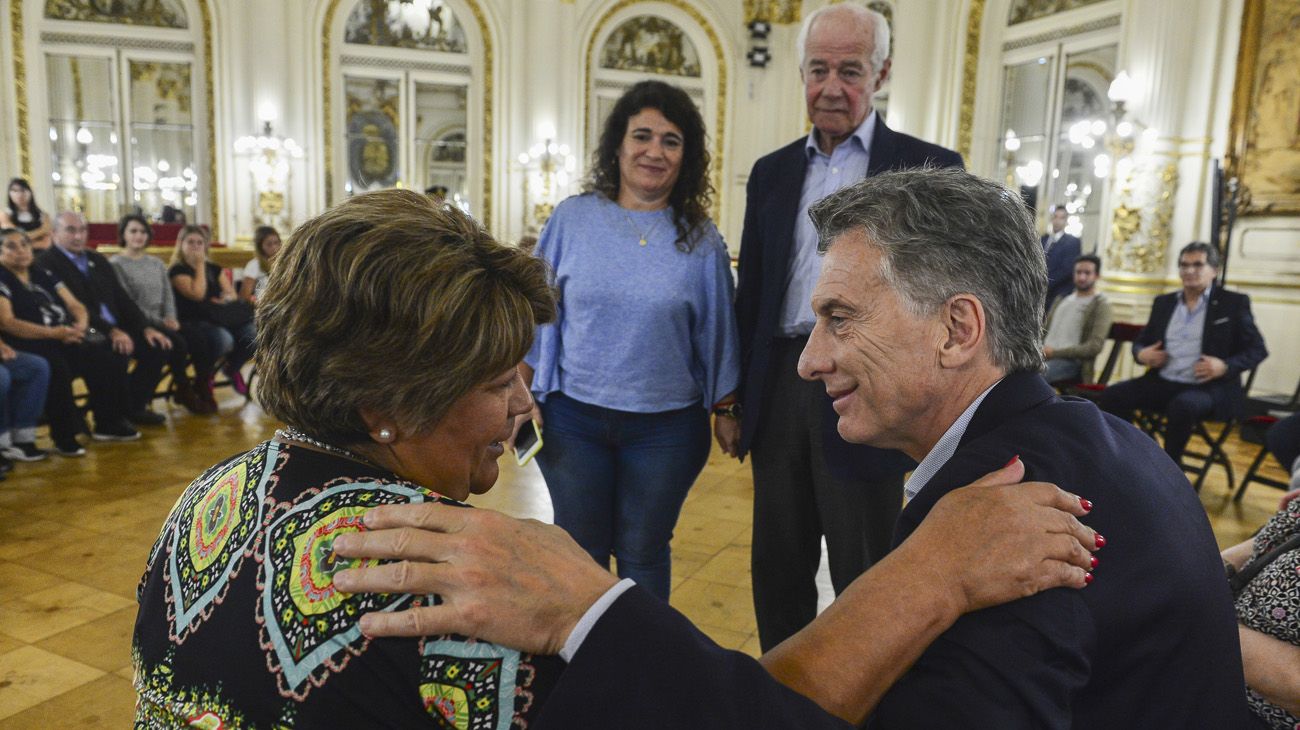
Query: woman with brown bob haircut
[(389, 338)]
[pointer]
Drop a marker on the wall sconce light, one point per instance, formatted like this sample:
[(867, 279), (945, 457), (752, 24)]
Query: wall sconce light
[(548, 169), (758, 54), (268, 163)]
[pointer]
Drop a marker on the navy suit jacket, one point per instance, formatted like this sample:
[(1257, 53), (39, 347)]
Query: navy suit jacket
[(1151, 643), (771, 211), (99, 286), (1060, 266), (1230, 334), (645, 666)]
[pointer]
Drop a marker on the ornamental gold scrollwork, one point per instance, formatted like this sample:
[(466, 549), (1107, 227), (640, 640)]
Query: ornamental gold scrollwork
[(388, 23), (171, 81), (784, 12), (650, 44), (151, 13), (1142, 221), (1025, 10)]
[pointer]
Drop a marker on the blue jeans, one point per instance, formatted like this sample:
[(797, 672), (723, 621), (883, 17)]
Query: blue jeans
[(23, 384), (618, 480)]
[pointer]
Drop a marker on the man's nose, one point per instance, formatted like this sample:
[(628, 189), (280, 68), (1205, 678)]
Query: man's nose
[(812, 364)]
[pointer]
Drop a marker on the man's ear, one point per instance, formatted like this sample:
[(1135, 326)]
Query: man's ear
[(964, 319), (883, 76)]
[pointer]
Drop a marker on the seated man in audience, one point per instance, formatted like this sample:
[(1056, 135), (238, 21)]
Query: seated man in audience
[(91, 279), (1196, 344), (1077, 326), (927, 339)]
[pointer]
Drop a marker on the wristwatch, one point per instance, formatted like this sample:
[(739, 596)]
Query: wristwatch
[(729, 410)]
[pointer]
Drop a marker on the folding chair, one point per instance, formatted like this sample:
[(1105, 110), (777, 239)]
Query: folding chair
[(1154, 424), (1253, 429), (1121, 334)]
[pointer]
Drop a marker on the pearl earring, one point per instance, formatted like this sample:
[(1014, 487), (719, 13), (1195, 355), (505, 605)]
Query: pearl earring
[(385, 435)]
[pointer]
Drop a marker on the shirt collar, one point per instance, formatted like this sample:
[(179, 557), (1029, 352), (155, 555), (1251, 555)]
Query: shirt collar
[(864, 134), (1205, 297), (943, 449), (73, 257)]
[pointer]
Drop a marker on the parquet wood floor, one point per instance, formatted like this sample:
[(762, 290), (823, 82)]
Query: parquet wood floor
[(74, 534)]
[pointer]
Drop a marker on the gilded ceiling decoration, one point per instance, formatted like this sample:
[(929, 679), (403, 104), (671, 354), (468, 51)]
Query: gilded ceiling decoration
[(423, 24), (1026, 10), (152, 13), (650, 44)]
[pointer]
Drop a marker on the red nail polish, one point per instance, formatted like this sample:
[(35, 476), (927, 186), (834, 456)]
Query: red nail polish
[(1086, 504), (1087, 579), (1101, 541), (1094, 562), (1013, 460)]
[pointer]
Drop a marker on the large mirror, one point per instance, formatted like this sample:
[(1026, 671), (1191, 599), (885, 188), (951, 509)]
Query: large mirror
[(440, 122), (84, 144)]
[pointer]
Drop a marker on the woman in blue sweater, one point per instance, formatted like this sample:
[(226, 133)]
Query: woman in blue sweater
[(645, 345)]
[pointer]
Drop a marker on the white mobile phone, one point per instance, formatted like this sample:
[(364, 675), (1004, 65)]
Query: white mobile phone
[(528, 442)]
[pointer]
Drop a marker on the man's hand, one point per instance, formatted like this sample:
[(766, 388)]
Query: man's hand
[(1047, 352), (1153, 356), (171, 324), (7, 353), (67, 334), (122, 344), (519, 583), (726, 429), (995, 540), (1209, 368), (157, 339)]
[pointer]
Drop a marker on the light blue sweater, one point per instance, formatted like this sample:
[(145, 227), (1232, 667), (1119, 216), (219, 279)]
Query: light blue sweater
[(641, 329)]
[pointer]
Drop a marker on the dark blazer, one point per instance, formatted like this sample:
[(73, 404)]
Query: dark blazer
[(645, 666), (1151, 643), (771, 211), (1060, 266), (1230, 334), (100, 286)]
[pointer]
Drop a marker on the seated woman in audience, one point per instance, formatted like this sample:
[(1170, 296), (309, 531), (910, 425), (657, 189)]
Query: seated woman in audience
[(391, 354), (39, 315), (145, 278), (266, 244), (645, 345), (1264, 573), (24, 214), (204, 301), (24, 379)]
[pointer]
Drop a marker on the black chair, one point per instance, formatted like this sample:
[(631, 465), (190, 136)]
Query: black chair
[(1155, 422), (1263, 412), (1120, 336)]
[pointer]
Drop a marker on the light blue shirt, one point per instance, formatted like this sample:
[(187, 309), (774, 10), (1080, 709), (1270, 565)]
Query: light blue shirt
[(943, 449), (645, 329), (1183, 339), (844, 166)]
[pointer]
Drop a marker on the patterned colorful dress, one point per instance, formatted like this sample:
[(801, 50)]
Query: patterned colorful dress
[(1270, 602), (240, 625)]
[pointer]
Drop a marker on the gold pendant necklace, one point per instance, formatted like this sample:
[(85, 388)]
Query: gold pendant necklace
[(644, 237)]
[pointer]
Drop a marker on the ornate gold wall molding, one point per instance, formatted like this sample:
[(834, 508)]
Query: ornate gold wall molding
[(720, 58), (672, 52), (487, 85), (969, 77), (773, 11), (1141, 221), (209, 96), (20, 86), (131, 12)]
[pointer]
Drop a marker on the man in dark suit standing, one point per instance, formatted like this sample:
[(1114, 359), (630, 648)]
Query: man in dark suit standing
[(92, 280), (1061, 250), (808, 482), (1197, 343)]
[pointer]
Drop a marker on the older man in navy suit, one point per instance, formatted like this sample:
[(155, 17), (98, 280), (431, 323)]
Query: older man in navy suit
[(1197, 343), (808, 482), (927, 338)]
